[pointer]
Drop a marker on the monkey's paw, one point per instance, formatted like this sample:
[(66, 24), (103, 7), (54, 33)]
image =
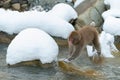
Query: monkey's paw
[(66, 60)]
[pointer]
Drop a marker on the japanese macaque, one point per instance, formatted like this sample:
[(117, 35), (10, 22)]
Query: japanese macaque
[(79, 39)]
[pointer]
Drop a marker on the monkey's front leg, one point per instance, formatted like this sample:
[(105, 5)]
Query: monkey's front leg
[(76, 53), (71, 49)]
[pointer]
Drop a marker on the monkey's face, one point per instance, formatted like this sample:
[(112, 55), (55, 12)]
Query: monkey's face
[(74, 38)]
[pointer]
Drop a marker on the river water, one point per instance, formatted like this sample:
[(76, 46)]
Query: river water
[(110, 69)]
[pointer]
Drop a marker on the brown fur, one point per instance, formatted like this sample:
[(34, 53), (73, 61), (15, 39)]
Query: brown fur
[(87, 35)]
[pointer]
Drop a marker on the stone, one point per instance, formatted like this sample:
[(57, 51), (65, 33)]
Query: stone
[(5, 4), (88, 11), (32, 63), (5, 38), (16, 6)]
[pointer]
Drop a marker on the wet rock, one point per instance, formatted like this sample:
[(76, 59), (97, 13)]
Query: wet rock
[(61, 42), (6, 38), (88, 11), (69, 68), (32, 63)]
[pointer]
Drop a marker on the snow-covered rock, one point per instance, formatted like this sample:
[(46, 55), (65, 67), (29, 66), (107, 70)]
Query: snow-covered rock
[(112, 25), (111, 12), (107, 45), (32, 44), (64, 11), (114, 4), (14, 22)]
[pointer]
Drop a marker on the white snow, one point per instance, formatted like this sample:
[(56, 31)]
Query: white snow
[(64, 11), (112, 25), (107, 45), (14, 22), (111, 12), (32, 44), (114, 8), (90, 51), (114, 4)]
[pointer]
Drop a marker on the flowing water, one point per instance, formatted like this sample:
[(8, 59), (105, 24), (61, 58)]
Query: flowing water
[(110, 69)]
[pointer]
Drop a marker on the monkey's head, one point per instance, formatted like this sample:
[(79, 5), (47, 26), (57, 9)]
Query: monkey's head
[(74, 38)]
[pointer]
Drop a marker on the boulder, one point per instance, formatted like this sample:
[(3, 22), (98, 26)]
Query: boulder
[(88, 11), (16, 6)]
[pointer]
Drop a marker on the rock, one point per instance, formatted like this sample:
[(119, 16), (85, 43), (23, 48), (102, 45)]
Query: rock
[(61, 42), (16, 6), (32, 63), (117, 42), (19, 5), (90, 10), (71, 69), (6, 38), (5, 4)]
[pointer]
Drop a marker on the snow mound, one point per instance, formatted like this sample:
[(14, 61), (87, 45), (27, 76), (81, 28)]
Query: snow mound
[(112, 25), (32, 44), (14, 22), (63, 11)]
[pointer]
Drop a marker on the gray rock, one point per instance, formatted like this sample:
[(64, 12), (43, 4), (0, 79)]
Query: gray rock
[(88, 11)]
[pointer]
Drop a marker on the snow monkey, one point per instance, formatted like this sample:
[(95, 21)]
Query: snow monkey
[(79, 39)]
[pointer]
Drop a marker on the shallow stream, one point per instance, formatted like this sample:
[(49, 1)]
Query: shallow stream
[(110, 69)]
